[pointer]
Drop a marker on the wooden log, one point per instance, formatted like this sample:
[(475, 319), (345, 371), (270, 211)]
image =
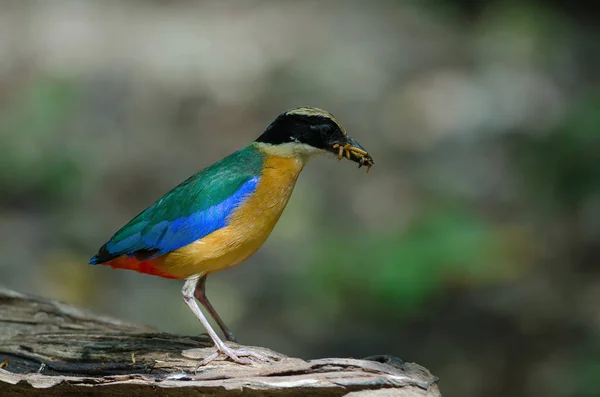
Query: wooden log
[(49, 348)]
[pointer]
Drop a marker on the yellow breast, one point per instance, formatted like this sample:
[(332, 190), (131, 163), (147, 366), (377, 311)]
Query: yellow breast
[(248, 228)]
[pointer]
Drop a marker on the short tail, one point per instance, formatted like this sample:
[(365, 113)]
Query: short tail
[(102, 256)]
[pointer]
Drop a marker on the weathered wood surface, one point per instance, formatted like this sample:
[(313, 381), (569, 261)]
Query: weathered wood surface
[(53, 349)]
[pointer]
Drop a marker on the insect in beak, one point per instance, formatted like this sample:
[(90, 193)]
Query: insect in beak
[(353, 151)]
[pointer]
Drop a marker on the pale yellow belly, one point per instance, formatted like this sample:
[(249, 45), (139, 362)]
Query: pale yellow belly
[(248, 227)]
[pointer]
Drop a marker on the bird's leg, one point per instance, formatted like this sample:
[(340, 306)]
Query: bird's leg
[(200, 294), (236, 355)]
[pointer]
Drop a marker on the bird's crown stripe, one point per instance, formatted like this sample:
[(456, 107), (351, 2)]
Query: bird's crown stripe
[(309, 111)]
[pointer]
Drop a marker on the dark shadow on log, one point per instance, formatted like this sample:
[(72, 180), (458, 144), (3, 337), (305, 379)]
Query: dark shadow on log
[(49, 348)]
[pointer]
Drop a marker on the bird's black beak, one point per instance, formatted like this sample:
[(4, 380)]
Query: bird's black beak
[(352, 150)]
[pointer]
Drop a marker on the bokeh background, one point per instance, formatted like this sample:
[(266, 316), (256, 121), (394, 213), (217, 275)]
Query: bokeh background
[(472, 246)]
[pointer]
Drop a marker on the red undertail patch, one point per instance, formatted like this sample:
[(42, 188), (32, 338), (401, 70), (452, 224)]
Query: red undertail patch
[(131, 263)]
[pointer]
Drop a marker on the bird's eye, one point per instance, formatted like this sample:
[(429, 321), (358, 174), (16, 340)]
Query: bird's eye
[(326, 129)]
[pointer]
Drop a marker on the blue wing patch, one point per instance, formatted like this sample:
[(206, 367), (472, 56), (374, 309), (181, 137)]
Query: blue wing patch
[(166, 236)]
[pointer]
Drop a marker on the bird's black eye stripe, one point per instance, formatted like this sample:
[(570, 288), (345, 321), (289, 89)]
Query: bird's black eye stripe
[(326, 129)]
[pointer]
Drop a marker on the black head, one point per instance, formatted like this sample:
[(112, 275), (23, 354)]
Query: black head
[(314, 130)]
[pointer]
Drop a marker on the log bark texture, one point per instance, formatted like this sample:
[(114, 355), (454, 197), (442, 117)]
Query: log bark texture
[(49, 348)]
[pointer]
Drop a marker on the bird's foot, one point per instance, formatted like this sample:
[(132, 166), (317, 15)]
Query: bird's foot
[(240, 356)]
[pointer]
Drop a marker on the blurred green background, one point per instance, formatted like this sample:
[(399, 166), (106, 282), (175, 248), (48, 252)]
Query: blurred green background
[(471, 248)]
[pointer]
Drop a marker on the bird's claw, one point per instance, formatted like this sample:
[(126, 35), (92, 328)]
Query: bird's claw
[(240, 356), (349, 150)]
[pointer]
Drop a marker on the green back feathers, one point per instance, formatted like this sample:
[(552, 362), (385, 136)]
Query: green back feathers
[(212, 185), (198, 206)]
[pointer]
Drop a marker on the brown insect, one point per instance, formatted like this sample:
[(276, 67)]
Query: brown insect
[(353, 153)]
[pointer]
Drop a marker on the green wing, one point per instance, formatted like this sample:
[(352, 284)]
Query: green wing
[(197, 207)]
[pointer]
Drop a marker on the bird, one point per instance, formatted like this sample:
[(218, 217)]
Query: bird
[(223, 214)]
